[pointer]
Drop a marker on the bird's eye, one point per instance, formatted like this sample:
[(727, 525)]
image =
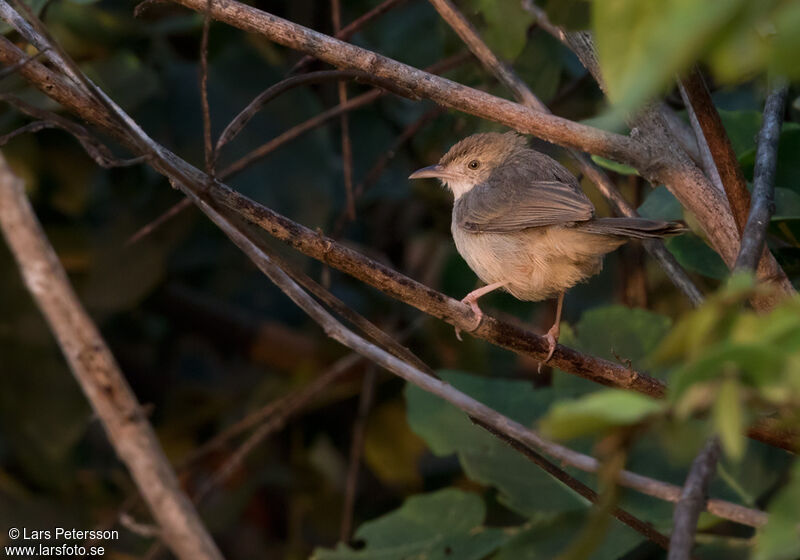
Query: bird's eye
[(474, 164)]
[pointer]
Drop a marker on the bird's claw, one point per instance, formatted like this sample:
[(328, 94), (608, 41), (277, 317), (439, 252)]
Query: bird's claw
[(478, 316), (552, 341)]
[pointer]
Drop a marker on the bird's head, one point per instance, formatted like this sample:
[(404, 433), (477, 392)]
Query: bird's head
[(472, 160)]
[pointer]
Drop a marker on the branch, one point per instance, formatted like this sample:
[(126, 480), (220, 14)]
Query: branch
[(425, 85), (99, 376), (719, 145), (706, 159), (313, 244), (763, 204), (524, 95), (693, 498)]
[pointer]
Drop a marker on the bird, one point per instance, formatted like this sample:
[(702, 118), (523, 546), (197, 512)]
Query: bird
[(523, 224)]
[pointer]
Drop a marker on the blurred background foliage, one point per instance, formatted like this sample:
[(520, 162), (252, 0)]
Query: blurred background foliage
[(205, 339)]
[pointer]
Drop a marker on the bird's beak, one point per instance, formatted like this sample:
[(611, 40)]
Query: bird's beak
[(431, 172)]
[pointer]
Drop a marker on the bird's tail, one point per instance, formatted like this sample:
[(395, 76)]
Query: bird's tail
[(635, 228)]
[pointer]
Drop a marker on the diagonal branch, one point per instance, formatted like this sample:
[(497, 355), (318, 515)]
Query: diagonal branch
[(524, 95), (424, 85), (692, 502), (99, 376), (763, 202), (347, 260), (719, 145)]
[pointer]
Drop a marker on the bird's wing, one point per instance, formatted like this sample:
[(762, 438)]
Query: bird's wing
[(511, 200)]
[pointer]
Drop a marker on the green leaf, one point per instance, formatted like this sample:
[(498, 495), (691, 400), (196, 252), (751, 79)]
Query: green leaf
[(569, 14), (742, 128), (507, 25), (549, 538), (618, 332), (540, 65), (598, 412), (661, 204), (692, 253), (612, 165), (522, 486), (728, 418), (780, 538), (442, 525), (642, 44)]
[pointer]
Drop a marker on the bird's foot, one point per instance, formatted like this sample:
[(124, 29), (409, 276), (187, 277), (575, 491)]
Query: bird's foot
[(552, 340), (476, 311)]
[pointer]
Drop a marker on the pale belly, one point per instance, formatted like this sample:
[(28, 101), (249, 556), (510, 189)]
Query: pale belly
[(536, 263)]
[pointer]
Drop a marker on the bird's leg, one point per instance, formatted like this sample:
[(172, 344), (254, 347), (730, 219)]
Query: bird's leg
[(555, 330), (471, 299)]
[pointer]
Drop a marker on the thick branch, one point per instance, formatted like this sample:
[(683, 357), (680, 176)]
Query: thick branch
[(525, 96), (692, 502), (442, 91), (99, 375), (763, 202), (719, 145)]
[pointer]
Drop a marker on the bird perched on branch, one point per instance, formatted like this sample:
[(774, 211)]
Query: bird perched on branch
[(523, 224)]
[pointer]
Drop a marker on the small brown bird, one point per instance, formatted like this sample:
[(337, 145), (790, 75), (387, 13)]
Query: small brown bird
[(523, 224)]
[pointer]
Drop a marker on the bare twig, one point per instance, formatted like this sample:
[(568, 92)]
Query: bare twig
[(5, 72), (706, 159), (383, 160), (351, 29), (99, 152), (356, 449), (99, 376), (208, 146), (385, 279), (317, 120), (347, 145), (692, 501), (524, 95), (719, 145), (424, 85), (763, 201)]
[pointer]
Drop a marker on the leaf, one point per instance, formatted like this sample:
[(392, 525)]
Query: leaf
[(692, 253), (642, 44), (612, 165), (441, 525), (661, 204), (728, 418), (787, 205), (780, 537), (570, 14), (391, 449), (522, 486), (540, 65), (598, 412), (506, 26), (550, 537), (742, 128), (616, 331)]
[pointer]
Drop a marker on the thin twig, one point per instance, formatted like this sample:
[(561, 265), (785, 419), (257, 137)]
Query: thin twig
[(524, 95), (351, 262), (6, 72), (375, 172), (208, 146), (99, 376), (356, 449), (347, 145), (763, 201), (317, 120), (706, 159), (719, 145), (693, 499), (351, 29)]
